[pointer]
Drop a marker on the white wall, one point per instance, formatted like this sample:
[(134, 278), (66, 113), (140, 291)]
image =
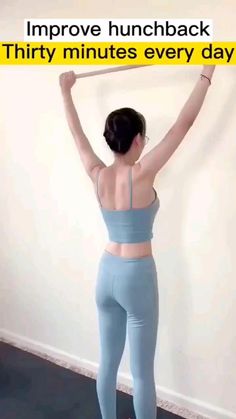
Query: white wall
[(51, 231)]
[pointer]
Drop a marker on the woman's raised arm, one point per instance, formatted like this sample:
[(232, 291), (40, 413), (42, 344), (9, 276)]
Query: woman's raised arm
[(155, 159), (88, 157)]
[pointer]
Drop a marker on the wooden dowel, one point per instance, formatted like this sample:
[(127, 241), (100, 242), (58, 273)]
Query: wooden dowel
[(109, 70)]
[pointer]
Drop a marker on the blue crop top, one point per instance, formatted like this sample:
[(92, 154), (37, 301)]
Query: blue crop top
[(133, 225)]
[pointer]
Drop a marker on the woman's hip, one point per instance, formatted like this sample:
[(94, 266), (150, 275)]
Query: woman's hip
[(130, 282)]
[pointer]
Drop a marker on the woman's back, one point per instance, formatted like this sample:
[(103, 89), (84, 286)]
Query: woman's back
[(129, 204), (114, 187)]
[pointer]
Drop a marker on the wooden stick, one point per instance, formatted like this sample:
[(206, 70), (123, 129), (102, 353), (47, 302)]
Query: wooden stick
[(109, 70)]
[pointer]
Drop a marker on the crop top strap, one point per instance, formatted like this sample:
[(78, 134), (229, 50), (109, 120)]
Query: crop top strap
[(130, 186)]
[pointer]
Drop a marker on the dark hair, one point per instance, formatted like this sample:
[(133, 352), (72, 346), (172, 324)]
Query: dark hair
[(121, 126)]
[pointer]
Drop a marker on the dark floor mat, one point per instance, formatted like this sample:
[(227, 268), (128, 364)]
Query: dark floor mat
[(34, 388)]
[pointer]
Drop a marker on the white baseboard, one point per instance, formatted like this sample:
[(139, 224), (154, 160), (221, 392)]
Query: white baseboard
[(171, 401)]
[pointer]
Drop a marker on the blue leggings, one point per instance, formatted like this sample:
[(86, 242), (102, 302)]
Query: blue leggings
[(127, 293)]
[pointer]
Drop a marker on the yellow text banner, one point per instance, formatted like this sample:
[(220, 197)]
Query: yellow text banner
[(117, 53)]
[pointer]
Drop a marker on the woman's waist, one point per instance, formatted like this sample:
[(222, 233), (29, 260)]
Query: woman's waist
[(130, 250)]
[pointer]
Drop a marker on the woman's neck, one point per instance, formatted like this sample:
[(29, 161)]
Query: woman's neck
[(123, 161)]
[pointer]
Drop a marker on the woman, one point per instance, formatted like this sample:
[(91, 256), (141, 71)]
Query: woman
[(127, 286)]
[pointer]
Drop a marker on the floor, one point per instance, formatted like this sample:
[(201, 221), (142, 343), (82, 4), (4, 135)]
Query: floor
[(34, 388)]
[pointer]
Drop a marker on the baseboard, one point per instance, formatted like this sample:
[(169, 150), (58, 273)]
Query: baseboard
[(179, 404)]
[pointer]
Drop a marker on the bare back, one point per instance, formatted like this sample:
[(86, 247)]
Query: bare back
[(113, 190)]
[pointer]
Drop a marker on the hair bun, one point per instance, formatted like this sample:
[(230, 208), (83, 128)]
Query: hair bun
[(120, 124), (121, 127), (110, 135)]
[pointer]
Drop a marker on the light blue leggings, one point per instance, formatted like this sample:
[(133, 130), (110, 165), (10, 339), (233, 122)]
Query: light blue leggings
[(127, 293)]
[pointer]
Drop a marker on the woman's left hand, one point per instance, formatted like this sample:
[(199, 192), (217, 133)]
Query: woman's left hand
[(67, 80)]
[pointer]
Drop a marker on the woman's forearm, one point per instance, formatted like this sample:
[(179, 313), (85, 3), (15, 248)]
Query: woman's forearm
[(71, 115), (87, 154), (194, 103)]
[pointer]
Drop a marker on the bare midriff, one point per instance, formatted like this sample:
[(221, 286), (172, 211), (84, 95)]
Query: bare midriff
[(130, 250)]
